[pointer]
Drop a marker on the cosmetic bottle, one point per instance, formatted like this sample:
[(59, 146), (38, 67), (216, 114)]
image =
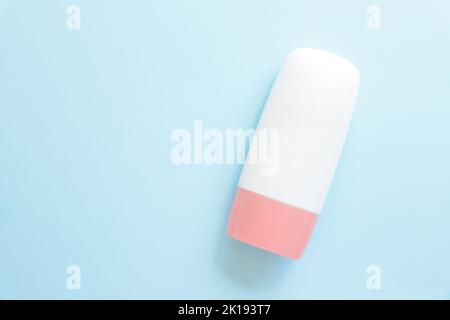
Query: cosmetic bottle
[(309, 110)]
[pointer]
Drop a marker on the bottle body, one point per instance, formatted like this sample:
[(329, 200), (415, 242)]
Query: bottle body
[(309, 108)]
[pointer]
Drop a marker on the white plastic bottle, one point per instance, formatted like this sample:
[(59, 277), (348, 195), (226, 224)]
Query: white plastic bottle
[(310, 107)]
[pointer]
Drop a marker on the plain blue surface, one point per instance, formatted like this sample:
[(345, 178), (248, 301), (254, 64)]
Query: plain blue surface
[(85, 171)]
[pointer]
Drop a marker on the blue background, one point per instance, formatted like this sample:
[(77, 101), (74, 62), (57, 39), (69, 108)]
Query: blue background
[(85, 170)]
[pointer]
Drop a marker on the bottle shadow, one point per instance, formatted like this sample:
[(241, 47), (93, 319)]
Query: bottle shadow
[(246, 265), (249, 266)]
